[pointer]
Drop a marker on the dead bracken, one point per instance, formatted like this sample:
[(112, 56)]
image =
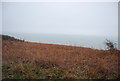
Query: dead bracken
[(48, 61)]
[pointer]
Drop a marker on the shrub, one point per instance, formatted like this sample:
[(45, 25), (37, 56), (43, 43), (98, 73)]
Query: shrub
[(110, 45)]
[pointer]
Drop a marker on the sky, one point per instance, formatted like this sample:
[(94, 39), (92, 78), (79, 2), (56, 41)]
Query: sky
[(0, 18), (74, 18), (60, 0)]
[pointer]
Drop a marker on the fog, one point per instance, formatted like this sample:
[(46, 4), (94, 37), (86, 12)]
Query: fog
[(0, 18), (76, 18)]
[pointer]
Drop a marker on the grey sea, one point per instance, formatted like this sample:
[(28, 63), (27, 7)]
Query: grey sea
[(95, 42)]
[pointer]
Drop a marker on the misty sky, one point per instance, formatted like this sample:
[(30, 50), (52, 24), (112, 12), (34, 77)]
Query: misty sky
[(0, 18), (89, 18)]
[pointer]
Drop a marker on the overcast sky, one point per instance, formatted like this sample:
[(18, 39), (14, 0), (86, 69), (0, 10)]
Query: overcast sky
[(0, 18), (88, 18)]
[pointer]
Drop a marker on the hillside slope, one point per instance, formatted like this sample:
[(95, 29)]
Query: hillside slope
[(40, 61)]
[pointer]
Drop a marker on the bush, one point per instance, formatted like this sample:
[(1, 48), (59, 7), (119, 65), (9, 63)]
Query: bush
[(110, 45)]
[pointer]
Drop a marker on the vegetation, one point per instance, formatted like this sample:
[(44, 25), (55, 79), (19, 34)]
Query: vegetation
[(26, 60), (110, 45)]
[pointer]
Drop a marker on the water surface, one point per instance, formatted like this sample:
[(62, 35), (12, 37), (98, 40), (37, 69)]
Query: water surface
[(96, 42)]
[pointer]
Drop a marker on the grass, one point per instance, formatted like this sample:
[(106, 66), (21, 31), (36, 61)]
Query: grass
[(27, 71), (26, 60)]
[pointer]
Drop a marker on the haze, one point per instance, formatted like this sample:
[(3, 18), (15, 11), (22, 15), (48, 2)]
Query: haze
[(82, 18)]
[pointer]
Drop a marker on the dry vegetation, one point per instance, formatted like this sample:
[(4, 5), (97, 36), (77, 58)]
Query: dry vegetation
[(26, 60)]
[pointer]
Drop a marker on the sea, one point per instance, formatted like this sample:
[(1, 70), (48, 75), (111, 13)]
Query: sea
[(89, 41)]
